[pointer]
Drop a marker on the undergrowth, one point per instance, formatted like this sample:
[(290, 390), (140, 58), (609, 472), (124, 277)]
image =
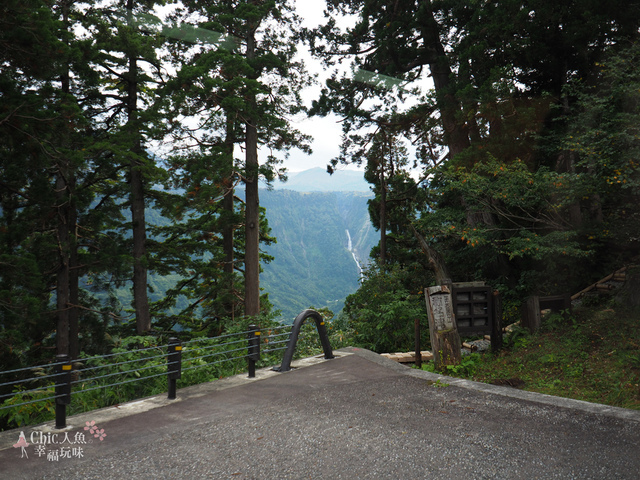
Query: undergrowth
[(592, 355)]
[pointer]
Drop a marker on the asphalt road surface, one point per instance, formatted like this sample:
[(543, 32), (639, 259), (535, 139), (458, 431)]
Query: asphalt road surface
[(358, 416)]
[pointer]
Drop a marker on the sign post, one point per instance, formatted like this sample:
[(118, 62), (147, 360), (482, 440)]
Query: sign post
[(443, 331)]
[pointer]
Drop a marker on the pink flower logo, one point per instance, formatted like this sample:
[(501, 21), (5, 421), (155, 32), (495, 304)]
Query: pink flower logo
[(94, 430), (91, 426), (100, 434)]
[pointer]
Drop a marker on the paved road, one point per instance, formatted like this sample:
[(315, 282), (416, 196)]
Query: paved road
[(357, 416)]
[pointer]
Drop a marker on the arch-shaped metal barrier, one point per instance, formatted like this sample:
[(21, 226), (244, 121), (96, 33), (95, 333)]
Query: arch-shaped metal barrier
[(293, 339)]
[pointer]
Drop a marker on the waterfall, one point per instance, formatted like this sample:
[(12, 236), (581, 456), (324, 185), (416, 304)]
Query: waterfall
[(353, 254)]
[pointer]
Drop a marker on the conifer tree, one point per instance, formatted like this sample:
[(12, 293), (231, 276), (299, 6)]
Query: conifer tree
[(28, 40), (45, 169), (131, 71), (256, 86), (500, 72)]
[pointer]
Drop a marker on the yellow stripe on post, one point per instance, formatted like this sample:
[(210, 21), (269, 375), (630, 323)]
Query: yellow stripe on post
[(178, 348), (258, 333), (67, 367)]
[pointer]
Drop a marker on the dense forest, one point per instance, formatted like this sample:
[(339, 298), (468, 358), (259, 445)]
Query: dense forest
[(501, 140), (527, 144), (108, 113)]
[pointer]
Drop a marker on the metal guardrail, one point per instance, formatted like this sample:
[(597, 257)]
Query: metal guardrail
[(68, 377)]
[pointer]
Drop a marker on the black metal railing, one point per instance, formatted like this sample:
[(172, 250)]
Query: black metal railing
[(295, 330), (64, 378)]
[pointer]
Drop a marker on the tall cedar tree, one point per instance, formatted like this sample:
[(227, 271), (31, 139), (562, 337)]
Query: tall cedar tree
[(266, 92), (29, 42), (50, 174), (131, 72)]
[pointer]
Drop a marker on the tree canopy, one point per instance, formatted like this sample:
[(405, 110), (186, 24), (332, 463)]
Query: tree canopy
[(121, 135), (501, 139), (526, 138)]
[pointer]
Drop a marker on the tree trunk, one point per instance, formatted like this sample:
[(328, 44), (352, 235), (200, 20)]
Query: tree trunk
[(383, 217), (252, 207), (140, 299), (74, 289), (567, 161), (228, 228), (62, 276), (496, 325), (530, 314), (139, 234), (435, 260), (63, 207), (455, 130), (629, 294)]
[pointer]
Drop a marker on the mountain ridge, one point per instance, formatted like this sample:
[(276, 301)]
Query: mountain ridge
[(318, 180)]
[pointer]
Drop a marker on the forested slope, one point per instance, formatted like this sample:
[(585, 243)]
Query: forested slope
[(312, 264)]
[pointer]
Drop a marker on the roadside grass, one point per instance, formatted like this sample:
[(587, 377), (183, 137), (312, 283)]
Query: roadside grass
[(592, 355)]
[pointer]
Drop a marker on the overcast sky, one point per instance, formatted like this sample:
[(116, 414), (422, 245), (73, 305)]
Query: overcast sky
[(326, 131)]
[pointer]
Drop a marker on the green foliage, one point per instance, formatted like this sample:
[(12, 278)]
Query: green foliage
[(526, 201), (72, 150), (466, 367), (382, 312), (137, 368), (518, 338), (552, 320), (39, 411), (526, 228), (340, 335), (440, 384), (590, 355), (533, 195), (605, 137)]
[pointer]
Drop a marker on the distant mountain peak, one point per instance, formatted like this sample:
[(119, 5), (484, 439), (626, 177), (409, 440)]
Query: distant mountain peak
[(318, 180)]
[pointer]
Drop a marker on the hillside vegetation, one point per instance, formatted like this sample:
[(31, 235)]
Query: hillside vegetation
[(312, 265), (591, 355)]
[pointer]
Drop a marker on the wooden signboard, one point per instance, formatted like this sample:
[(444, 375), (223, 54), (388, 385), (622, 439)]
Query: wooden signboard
[(445, 341), (473, 308)]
